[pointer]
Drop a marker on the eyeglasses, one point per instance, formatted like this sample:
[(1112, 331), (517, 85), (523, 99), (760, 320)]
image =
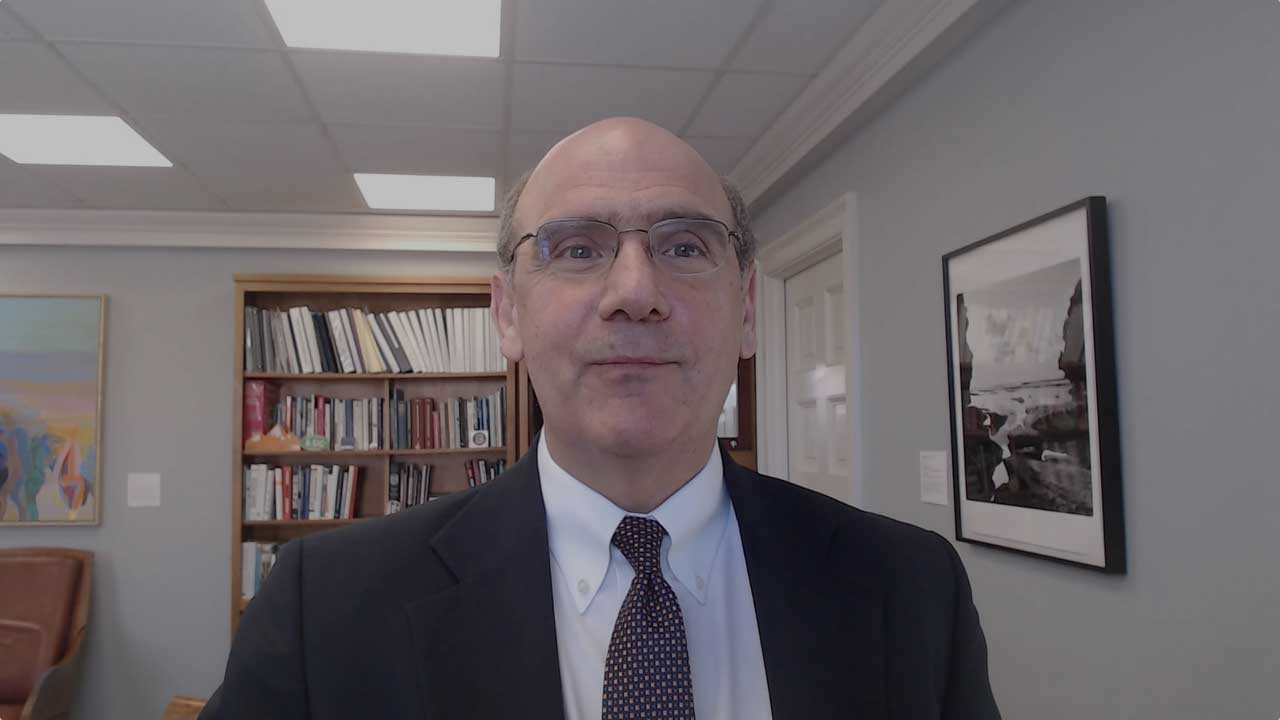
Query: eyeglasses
[(580, 247)]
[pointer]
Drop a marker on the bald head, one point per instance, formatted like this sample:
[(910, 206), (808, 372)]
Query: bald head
[(625, 171)]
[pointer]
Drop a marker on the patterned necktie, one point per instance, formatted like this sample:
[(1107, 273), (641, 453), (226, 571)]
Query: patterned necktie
[(647, 672)]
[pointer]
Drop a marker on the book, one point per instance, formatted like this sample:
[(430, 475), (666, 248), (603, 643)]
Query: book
[(260, 398), (433, 343), (428, 360), (393, 491), (384, 348), (313, 344), (345, 362), (349, 336), (436, 316), (409, 341)]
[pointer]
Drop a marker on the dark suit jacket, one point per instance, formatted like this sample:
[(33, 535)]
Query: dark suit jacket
[(445, 611)]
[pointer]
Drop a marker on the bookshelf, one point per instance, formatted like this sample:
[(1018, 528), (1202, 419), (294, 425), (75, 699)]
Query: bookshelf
[(377, 295)]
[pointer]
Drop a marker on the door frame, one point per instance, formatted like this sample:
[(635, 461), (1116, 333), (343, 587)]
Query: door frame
[(834, 229)]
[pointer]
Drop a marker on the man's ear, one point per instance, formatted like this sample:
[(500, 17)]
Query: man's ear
[(505, 316), (749, 313)]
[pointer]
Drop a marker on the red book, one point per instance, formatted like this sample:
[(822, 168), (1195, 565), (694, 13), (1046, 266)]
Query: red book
[(471, 474), (259, 398), (288, 492), (352, 490)]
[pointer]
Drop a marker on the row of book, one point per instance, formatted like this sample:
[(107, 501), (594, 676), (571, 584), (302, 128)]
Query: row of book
[(256, 561), (299, 340), (410, 484), (318, 422), (426, 423), (300, 492)]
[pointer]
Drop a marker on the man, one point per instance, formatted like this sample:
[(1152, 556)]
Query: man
[(625, 568)]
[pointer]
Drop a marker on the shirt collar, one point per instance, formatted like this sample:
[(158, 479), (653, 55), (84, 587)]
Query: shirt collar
[(581, 522)]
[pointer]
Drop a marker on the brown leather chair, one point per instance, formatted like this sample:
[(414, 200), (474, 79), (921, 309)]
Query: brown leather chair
[(44, 611)]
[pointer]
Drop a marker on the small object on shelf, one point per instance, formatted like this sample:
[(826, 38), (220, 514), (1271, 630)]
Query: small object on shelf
[(276, 440)]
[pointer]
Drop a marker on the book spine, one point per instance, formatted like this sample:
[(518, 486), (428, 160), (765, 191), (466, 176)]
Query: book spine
[(402, 420), (256, 408), (384, 350), (248, 568), (393, 490)]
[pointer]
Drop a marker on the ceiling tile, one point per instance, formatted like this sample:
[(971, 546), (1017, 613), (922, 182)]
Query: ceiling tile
[(800, 35), (10, 28), (525, 150), (33, 79), (420, 150), (743, 105), (318, 193), (625, 32), (719, 152), (179, 22), (207, 83), (134, 188), (403, 89), (228, 149), (563, 98), (23, 187)]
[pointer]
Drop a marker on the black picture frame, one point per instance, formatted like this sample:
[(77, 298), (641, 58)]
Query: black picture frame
[(1035, 444)]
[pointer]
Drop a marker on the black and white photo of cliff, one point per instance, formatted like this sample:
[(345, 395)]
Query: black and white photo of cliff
[(1023, 381)]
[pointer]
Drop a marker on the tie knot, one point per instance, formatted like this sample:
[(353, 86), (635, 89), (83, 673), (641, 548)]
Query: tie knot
[(640, 540)]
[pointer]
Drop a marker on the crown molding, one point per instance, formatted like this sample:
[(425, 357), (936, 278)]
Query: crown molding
[(891, 45), (179, 229)]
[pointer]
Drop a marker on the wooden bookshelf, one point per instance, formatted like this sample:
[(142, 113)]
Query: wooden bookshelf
[(321, 293)]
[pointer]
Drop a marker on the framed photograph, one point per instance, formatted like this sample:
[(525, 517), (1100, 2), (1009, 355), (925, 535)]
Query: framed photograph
[(51, 409), (1035, 443)]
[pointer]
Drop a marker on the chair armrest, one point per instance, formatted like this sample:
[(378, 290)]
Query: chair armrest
[(51, 697)]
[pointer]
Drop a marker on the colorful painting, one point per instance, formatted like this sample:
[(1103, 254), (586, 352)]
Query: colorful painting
[(50, 409)]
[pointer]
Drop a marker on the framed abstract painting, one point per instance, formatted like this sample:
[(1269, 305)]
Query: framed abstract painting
[(51, 409), (1032, 381)]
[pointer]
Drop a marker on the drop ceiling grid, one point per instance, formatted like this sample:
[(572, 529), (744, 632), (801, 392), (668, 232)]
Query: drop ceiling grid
[(298, 103)]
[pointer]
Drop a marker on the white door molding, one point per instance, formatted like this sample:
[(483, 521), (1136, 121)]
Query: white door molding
[(832, 230)]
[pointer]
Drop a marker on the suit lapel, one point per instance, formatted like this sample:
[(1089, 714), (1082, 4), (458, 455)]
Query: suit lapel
[(821, 626), (488, 642)]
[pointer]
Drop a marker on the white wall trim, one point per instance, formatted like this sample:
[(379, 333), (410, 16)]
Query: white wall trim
[(832, 230), (178, 229), (897, 33)]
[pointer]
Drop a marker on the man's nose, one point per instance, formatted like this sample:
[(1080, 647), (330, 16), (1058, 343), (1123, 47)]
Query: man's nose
[(633, 284)]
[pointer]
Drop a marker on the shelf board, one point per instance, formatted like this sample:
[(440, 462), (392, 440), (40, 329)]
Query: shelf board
[(293, 523), (373, 376), (316, 453), (446, 451), (369, 453)]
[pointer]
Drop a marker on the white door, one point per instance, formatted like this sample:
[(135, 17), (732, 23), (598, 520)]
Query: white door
[(818, 439)]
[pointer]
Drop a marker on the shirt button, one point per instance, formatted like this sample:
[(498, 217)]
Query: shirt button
[(582, 587), (701, 583)]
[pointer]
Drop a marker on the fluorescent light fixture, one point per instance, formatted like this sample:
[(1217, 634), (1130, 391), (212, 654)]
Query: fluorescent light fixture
[(429, 27), (426, 192), (75, 140)]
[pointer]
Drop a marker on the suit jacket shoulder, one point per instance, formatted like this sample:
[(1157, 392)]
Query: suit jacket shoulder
[(886, 604)]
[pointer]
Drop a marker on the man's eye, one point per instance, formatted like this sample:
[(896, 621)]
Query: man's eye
[(577, 252), (687, 250)]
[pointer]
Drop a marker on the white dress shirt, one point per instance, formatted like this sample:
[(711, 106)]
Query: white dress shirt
[(702, 559)]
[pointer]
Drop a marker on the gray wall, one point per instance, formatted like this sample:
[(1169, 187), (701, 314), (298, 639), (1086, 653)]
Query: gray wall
[(1172, 110), (160, 623)]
